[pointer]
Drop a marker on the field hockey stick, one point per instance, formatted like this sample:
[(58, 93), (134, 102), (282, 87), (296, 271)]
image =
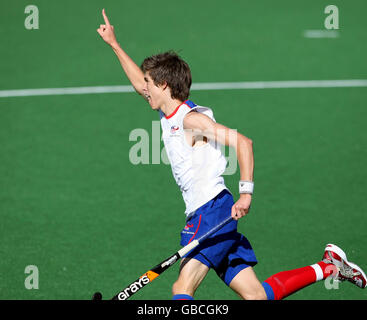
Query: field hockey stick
[(153, 273)]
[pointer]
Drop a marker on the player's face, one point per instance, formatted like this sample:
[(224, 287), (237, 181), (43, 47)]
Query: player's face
[(153, 93)]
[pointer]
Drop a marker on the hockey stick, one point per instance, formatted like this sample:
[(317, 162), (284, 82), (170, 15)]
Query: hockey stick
[(153, 273)]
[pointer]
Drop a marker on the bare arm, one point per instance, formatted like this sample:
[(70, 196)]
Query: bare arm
[(204, 126), (133, 72)]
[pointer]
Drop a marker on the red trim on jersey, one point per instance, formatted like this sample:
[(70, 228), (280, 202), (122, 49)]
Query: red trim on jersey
[(174, 112), (197, 229)]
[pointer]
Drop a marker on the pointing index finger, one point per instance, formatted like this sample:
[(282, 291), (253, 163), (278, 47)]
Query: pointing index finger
[(105, 17)]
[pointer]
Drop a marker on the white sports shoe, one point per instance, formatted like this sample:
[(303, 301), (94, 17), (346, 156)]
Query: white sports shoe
[(346, 270)]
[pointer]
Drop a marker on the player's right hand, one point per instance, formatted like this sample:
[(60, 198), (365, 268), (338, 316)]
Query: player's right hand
[(106, 31), (241, 207)]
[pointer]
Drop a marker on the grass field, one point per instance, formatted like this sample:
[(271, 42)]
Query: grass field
[(71, 202)]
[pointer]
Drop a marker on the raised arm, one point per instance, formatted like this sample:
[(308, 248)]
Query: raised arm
[(133, 72)]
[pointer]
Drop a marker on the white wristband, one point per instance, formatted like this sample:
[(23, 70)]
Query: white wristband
[(246, 187)]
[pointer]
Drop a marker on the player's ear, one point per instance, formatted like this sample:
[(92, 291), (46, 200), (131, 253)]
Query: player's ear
[(164, 85)]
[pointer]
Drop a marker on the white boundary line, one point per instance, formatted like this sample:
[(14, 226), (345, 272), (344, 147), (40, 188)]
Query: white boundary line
[(321, 34), (195, 86)]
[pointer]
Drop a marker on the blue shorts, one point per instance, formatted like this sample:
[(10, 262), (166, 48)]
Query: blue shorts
[(226, 251)]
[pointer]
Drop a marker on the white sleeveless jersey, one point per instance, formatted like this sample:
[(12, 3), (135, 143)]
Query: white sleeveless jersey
[(197, 170)]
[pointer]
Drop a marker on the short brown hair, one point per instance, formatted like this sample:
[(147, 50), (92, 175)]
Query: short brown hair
[(169, 68)]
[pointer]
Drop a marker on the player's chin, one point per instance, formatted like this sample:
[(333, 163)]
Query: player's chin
[(153, 106)]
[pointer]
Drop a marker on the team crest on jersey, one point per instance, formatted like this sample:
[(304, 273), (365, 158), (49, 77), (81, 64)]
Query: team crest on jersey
[(186, 229), (174, 129), (188, 226)]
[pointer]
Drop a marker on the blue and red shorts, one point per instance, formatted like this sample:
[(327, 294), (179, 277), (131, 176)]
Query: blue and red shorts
[(226, 251)]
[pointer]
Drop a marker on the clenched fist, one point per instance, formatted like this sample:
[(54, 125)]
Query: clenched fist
[(241, 207)]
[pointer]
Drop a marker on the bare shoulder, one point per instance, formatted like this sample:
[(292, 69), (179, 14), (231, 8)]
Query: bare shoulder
[(197, 120)]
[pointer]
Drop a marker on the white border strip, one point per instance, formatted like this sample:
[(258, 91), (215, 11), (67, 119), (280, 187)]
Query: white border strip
[(195, 86)]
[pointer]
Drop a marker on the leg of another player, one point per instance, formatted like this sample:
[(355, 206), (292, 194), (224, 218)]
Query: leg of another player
[(247, 286), (192, 272)]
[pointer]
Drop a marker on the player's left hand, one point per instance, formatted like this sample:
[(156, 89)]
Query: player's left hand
[(242, 206)]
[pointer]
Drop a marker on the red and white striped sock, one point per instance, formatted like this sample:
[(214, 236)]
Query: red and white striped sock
[(287, 282)]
